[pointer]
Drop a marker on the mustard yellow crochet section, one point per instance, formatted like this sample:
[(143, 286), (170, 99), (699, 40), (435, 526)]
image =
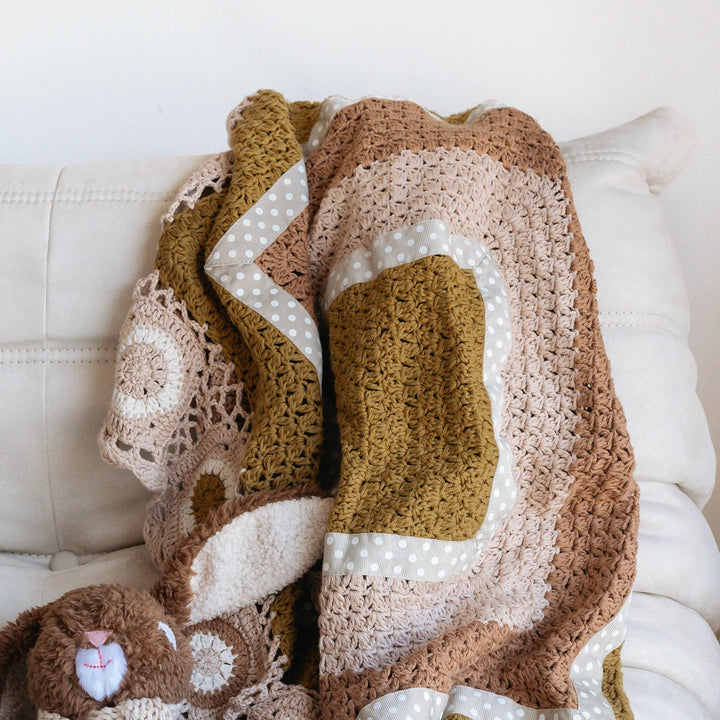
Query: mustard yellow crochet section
[(419, 452), (612, 686), (280, 384)]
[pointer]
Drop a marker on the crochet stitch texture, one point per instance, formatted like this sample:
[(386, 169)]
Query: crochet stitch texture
[(368, 299)]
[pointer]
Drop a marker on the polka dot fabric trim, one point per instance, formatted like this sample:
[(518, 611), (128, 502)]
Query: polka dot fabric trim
[(415, 703), (387, 555), (232, 262), (254, 288), (264, 222), (412, 558)]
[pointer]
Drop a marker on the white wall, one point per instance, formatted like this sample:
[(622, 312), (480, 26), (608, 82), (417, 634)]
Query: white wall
[(95, 81)]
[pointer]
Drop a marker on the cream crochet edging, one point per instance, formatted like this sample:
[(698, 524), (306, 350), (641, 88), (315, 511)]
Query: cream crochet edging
[(213, 174), (134, 709)]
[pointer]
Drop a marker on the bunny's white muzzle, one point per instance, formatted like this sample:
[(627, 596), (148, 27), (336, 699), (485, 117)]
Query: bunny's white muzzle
[(100, 670)]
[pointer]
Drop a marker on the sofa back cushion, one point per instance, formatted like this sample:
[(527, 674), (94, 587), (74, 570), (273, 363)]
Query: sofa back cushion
[(73, 241)]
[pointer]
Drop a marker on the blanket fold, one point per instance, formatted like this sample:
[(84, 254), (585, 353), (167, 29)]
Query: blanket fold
[(411, 296)]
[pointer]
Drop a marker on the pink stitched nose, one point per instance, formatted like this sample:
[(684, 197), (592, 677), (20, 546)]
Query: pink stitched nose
[(97, 637)]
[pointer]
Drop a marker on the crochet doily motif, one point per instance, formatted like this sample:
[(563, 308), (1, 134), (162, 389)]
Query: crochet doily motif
[(238, 670), (177, 419)]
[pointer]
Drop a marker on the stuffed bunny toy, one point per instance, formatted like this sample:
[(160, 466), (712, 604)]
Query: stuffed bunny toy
[(200, 645), (96, 644)]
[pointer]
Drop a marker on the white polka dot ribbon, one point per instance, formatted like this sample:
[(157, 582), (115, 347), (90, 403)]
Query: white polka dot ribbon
[(586, 675), (258, 291), (232, 262), (413, 704), (264, 222), (400, 556), (413, 558)]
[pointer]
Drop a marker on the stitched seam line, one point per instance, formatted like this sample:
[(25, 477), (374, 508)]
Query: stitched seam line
[(597, 155), (55, 362), (85, 196), (667, 324), (39, 355), (638, 313), (69, 348), (45, 380), (639, 325)]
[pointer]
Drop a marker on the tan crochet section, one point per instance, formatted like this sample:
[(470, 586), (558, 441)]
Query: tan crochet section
[(213, 175), (570, 448)]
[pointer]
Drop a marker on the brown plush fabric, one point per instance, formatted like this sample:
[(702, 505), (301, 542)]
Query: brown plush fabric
[(52, 635), (16, 639)]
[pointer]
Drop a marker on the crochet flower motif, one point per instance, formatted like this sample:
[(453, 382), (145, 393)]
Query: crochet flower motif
[(222, 663), (214, 661), (213, 483), (161, 358), (150, 376)]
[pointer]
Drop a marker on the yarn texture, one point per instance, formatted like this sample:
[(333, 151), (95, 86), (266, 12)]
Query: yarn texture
[(367, 301)]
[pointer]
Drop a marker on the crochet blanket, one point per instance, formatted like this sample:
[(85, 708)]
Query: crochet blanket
[(372, 336)]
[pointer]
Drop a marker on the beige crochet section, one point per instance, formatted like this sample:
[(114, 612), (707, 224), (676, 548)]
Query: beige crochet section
[(177, 419), (136, 709)]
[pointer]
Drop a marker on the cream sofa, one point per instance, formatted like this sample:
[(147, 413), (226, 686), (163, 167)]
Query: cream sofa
[(73, 241)]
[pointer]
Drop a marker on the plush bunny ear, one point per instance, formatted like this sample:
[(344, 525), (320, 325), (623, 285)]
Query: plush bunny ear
[(16, 640), (249, 548)]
